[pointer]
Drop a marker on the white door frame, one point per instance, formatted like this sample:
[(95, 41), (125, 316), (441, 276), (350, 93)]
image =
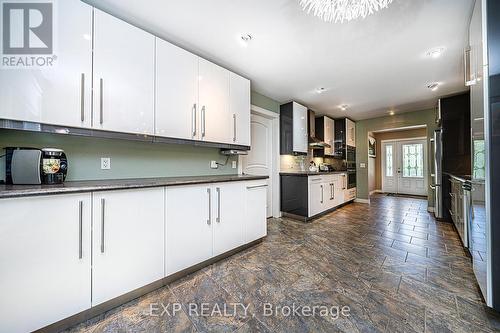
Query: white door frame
[(426, 160), (275, 160)]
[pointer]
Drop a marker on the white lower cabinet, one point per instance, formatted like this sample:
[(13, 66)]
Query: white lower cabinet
[(128, 241), (317, 196), (326, 192), (228, 223), (255, 211), (44, 260), (189, 230)]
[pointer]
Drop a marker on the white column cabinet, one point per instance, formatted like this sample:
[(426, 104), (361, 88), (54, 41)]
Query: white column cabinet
[(128, 241), (123, 76), (45, 260), (59, 95), (228, 224), (255, 210), (240, 109), (215, 118), (189, 226), (176, 99)]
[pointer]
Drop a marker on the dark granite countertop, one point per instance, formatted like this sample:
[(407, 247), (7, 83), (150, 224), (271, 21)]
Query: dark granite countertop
[(14, 191), (310, 173)]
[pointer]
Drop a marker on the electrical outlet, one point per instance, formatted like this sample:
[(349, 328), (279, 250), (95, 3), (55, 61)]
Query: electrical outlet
[(214, 165), (105, 163), (362, 165), (234, 164)]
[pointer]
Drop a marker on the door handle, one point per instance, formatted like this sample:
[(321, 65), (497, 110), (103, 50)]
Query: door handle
[(203, 121), (321, 193), (193, 125), (209, 221), (234, 127), (82, 97), (218, 205), (256, 186), (80, 229), (101, 101), (103, 205)]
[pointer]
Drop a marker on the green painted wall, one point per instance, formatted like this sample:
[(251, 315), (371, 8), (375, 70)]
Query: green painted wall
[(363, 127), (265, 102), (129, 159)]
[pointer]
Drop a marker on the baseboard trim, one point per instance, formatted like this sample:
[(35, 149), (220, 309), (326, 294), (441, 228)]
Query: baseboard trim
[(363, 201), (376, 191), (430, 209)]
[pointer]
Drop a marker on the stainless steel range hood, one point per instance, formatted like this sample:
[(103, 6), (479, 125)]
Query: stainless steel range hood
[(314, 142)]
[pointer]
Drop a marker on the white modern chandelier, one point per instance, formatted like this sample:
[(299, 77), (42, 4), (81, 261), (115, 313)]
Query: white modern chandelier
[(343, 10)]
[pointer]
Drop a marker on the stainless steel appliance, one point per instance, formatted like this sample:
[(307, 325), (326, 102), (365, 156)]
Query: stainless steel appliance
[(351, 179), (437, 178), (314, 142), (35, 166)]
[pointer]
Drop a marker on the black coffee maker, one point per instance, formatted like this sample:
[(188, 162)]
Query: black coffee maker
[(54, 166)]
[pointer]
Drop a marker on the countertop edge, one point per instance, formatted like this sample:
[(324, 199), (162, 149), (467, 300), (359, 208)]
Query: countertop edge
[(99, 187)]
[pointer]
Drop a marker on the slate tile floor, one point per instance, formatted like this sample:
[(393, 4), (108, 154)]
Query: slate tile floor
[(396, 268)]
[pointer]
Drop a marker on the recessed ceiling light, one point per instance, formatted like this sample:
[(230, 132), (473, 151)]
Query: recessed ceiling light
[(435, 53), (344, 107), (433, 86), (320, 90), (392, 113)]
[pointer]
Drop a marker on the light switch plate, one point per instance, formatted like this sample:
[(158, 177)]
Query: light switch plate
[(234, 164), (105, 163), (214, 165)]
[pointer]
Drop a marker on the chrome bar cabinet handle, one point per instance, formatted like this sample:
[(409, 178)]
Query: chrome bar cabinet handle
[(80, 230), (234, 127), (203, 121), (101, 101), (218, 205), (209, 221), (103, 206), (194, 120), (321, 193), (82, 97)]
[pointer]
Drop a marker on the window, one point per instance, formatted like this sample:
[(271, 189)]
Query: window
[(413, 160), (388, 161), (479, 165)]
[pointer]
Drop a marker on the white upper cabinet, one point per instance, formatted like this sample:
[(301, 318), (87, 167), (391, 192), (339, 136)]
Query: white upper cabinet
[(240, 109), (300, 135), (123, 76), (128, 241), (44, 260), (329, 130), (215, 120), (59, 95), (177, 111), (350, 133)]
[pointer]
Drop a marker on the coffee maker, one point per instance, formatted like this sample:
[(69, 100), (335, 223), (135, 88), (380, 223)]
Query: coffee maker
[(35, 166)]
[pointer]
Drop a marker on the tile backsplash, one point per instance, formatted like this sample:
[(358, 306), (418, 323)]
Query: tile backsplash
[(301, 163)]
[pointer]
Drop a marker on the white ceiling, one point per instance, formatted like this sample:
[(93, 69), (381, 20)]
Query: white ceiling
[(373, 65)]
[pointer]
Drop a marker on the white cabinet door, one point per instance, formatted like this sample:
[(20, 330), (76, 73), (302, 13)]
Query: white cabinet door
[(351, 133), (189, 226), (60, 94), (128, 241), (228, 205), (123, 76), (300, 135), (329, 135), (176, 111), (45, 260), (318, 195), (255, 211), (214, 103), (240, 109)]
